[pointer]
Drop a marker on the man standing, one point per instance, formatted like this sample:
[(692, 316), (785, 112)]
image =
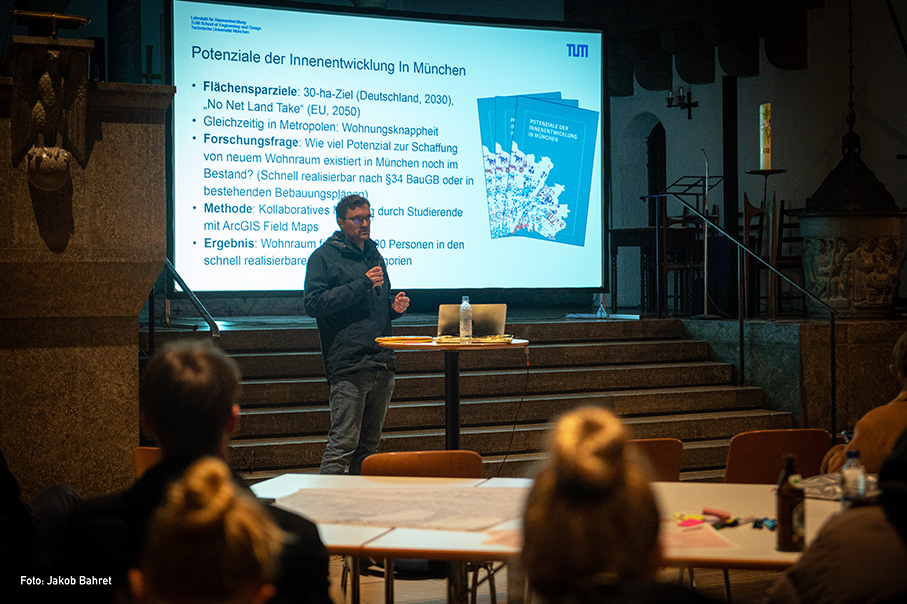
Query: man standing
[(347, 290)]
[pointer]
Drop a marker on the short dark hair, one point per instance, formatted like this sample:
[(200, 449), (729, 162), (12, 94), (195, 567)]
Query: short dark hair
[(186, 395), (350, 201)]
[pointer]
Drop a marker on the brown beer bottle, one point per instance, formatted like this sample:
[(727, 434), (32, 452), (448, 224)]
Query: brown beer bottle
[(791, 508)]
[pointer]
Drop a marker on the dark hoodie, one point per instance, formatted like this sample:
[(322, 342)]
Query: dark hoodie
[(350, 312)]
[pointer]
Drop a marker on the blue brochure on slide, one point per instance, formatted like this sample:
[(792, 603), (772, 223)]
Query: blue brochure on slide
[(489, 157), (496, 118), (551, 162)]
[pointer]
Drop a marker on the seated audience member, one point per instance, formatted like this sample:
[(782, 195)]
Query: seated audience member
[(876, 432), (30, 533), (860, 555), (207, 543), (591, 521), (187, 395)]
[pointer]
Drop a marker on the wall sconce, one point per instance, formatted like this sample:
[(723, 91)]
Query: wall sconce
[(683, 101)]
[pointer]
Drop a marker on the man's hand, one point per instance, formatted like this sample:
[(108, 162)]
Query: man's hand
[(401, 303), (376, 275)]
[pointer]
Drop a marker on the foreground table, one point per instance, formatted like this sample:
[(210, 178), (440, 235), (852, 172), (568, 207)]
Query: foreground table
[(736, 547), (388, 517), (451, 375)]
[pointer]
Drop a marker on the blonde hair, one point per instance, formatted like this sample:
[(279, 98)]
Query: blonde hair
[(209, 542), (591, 518)]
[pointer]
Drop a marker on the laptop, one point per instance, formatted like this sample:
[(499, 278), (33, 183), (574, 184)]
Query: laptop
[(487, 320)]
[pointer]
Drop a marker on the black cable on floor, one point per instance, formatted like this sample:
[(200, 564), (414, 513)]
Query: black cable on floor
[(516, 415)]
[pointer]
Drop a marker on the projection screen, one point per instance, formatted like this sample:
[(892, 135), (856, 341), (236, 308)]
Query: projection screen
[(479, 147)]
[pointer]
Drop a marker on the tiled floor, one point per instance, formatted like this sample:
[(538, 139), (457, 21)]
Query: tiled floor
[(747, 587)]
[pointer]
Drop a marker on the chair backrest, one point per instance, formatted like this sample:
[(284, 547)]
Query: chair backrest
[(665, 456), (756, 457), (438, 464), (143, 458)]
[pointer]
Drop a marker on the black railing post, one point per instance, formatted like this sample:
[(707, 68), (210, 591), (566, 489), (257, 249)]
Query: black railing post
[(661, 279), (741, 290), (834, 377)]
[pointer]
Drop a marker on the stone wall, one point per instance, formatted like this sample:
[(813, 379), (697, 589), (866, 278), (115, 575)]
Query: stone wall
[(790, 361), (76, 266)]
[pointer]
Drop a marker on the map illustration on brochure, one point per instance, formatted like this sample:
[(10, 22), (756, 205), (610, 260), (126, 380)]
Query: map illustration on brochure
[(538, 178)]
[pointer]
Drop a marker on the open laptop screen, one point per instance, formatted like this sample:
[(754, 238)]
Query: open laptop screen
[(487, 319)]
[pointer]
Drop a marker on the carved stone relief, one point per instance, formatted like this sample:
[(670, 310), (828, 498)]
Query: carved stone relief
[(852, 273), (49, 114)]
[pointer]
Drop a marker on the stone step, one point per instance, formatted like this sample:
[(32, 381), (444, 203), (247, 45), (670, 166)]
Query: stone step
[(315, 419), (301, 334), (285, 391), (705, 454), (707, 426), (703, 476), (304, 451), (260, 365)]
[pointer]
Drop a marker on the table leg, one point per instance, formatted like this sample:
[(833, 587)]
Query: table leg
[(389, 580), (457, 592), (355, 569), (451, 399)]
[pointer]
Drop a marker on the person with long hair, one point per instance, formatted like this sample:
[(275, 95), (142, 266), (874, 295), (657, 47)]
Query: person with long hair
[(591, 521), (208, 543)]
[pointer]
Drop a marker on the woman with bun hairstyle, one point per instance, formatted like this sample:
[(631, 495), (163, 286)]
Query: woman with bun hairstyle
[(208, 543), (591, 520)]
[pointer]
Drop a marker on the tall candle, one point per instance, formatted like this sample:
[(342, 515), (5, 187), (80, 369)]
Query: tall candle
[(765, 136)]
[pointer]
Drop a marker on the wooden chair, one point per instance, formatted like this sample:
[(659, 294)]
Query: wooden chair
[(756, 457), (665, 457), (143, 458), (437, 464)]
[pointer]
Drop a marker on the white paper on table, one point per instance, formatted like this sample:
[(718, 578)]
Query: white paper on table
[(439, 508)]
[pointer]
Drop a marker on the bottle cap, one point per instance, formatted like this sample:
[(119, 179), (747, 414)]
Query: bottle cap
[(853, 454)]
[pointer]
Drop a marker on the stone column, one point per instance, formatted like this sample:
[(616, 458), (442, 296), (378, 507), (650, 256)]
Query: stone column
[(82, 240)]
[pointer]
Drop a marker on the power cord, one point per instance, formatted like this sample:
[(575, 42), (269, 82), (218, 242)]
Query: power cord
[(516, 415)]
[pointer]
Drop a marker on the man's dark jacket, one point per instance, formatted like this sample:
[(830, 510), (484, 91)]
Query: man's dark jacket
[(349, 311), (105, 538)]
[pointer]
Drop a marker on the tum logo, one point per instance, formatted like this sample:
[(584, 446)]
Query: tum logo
[(577, 50)]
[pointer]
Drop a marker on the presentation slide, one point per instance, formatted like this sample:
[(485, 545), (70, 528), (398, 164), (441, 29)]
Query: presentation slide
[(479, 147)]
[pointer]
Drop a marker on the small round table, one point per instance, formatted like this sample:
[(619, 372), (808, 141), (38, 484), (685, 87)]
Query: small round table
[(451, 374)]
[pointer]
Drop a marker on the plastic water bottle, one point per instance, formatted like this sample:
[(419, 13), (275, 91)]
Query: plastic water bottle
[(465, 321), (853, 480)]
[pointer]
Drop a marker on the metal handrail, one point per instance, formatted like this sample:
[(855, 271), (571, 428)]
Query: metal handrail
[(741, 249), (212, 324)]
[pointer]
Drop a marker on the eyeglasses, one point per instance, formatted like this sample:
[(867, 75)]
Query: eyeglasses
[(357, 220)]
